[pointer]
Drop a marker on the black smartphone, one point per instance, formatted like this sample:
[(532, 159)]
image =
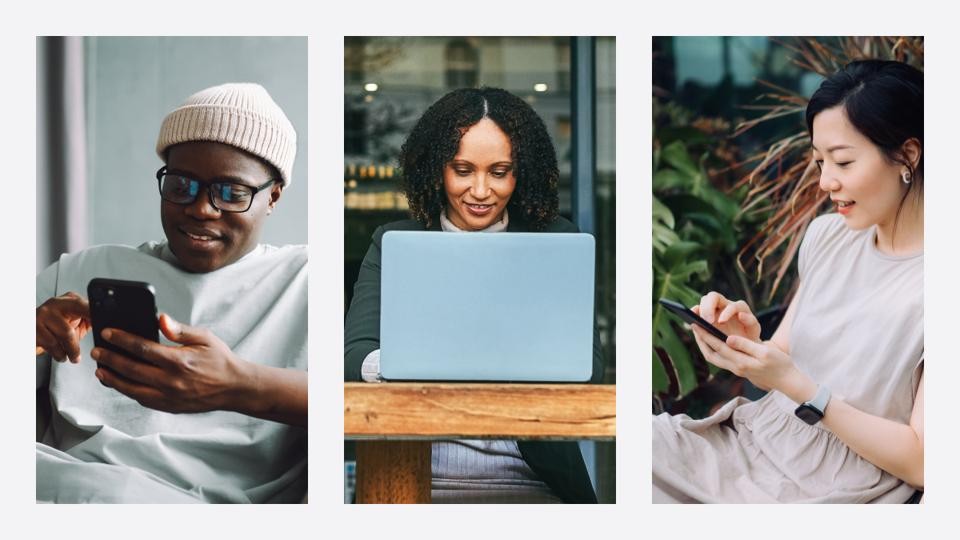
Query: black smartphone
[(688, 316), (127, 305)]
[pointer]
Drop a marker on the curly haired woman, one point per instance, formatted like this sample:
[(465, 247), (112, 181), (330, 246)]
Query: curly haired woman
[(477, 160)]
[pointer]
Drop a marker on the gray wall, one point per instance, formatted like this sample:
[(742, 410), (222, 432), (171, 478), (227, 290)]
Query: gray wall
[(133, 82)]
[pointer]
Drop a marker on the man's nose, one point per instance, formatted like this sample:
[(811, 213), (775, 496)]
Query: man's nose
[(202, 207)]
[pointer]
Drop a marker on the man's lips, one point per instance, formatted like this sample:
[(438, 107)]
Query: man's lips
[(200, 234)]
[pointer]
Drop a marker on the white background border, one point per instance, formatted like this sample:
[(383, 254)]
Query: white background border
[(633, 24)]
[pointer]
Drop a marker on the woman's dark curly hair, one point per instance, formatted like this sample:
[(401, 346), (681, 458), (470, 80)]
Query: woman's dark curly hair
[(435, 140)]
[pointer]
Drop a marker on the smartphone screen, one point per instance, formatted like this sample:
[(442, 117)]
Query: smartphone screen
[(127, 305), (688, 316)]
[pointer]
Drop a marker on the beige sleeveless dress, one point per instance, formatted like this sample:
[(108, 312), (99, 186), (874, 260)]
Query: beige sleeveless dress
[(858, 328)]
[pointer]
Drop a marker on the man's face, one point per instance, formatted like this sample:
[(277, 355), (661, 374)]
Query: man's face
[(202, 237)]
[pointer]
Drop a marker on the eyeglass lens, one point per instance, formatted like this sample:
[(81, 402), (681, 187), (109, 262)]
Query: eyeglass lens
[(226, 195)]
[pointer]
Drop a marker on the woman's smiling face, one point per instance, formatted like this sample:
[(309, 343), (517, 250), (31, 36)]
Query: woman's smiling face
[(864, 185), (203, 238), (479, 180)]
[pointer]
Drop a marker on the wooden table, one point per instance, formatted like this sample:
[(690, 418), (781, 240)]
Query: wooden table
[(394, 424)]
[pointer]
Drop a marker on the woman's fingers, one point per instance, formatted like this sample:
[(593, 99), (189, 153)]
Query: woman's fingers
[(746, 347), (730, 357), (733, 308), (704, 339), (750, 322), (709, 305)]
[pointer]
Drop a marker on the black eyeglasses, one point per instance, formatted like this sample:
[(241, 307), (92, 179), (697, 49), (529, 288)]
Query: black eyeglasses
[(224, 196)]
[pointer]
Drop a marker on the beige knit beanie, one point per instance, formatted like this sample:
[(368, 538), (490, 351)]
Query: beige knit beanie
[(239, 114)]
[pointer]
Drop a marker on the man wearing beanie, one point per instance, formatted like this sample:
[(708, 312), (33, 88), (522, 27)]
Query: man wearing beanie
[(217, 411)]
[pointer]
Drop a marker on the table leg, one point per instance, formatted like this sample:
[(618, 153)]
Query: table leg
[(393, 472)]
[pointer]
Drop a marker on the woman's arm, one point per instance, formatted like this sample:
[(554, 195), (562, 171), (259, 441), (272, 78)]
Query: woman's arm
[(781, 337), (894, 447), (361, 327)]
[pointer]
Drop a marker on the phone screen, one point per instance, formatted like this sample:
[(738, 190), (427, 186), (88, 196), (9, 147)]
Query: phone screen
[(688, 316), (127, 305)]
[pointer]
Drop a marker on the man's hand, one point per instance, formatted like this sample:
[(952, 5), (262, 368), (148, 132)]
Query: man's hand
[(62, 322), (201, 375)]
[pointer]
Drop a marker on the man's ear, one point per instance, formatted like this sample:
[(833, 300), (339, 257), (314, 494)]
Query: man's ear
[(275, 191)]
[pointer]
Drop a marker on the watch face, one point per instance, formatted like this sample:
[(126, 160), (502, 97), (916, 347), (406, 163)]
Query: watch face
[(808, 414)]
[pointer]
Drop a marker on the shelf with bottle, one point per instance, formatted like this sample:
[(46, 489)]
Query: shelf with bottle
[(372, 187)]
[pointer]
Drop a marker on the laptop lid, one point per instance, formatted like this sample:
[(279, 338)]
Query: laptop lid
[(487, 306)]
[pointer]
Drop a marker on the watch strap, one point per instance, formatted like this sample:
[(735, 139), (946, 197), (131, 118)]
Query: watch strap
[(820, 400)]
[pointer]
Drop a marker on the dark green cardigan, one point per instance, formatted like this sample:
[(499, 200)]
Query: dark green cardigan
[(558, 464)]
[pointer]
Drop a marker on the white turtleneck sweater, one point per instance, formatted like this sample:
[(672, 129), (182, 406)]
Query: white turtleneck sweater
[(476, 471)]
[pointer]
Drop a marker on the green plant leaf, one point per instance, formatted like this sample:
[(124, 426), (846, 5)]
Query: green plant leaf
[(675, 155), (666, 337), (663, 233), (668, 179), (661, 383), (662, 213), (678, 252)]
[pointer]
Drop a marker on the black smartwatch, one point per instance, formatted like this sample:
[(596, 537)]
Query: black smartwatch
[(811, 412)]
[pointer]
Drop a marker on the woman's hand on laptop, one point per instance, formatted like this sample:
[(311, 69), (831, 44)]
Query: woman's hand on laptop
[(62, 321), (733, 318)]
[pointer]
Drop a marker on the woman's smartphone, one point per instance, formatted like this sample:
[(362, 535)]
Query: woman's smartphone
[(126, 305), (690, 317)]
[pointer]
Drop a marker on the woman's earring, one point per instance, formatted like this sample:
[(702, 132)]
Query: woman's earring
[(906, 177)]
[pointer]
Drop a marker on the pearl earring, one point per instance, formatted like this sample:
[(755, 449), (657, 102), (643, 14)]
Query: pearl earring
[(906, 177)]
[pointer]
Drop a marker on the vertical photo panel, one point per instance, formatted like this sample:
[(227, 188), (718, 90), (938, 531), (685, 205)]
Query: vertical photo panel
[(788, 329), (479, 368), (171, 290)]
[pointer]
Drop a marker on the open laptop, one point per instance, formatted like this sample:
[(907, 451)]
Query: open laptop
[(487, 306)]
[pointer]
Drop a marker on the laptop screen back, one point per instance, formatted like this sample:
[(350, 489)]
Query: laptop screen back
[(487, 306)]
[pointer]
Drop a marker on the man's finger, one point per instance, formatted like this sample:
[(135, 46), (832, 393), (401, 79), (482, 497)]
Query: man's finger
[(183, 334), (62, 334), (49, 343), (73, 304), (130, 369), (138, 392), (138, 347)]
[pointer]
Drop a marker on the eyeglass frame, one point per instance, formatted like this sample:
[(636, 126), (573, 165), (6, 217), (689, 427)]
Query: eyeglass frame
[(209, 185)]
